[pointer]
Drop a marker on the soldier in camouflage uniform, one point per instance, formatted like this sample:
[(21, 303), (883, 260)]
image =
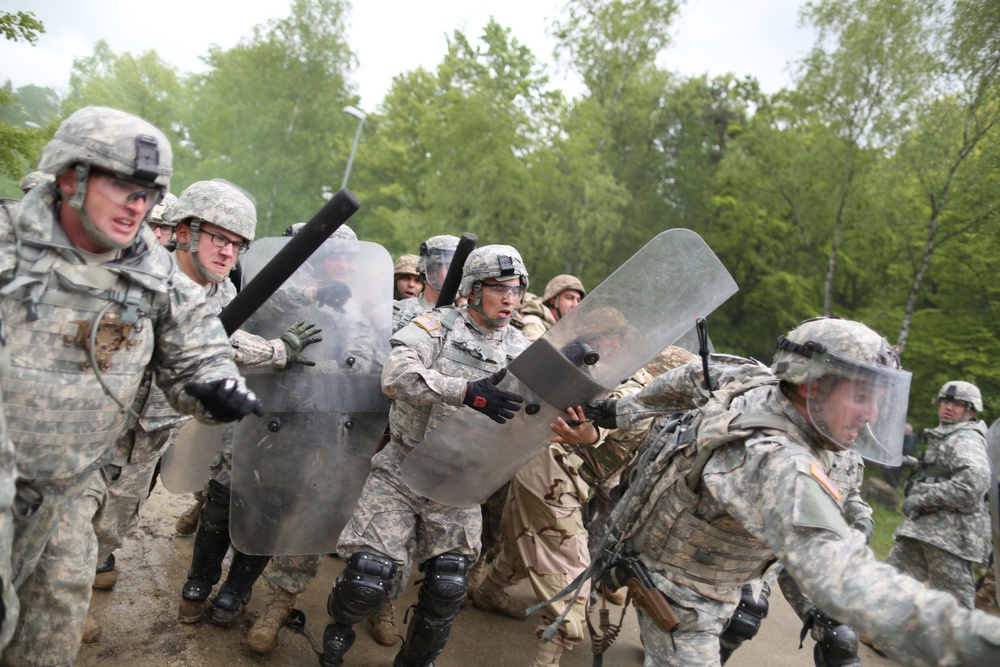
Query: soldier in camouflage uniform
[(407, 280), (561, 295), (436, 254), (214, 222), (746, 484), (947, 525), (90, 300), (439, 362), (164, 230), (289, 576), (30, 181), (543, 538)]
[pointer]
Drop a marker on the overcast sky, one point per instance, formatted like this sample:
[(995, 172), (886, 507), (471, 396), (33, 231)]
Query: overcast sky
[(756, 37)]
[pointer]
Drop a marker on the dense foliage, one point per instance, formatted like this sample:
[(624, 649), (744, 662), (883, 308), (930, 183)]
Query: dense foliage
[(866, 190)]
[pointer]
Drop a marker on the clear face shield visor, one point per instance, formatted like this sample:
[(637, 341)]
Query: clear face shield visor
[(859, 406), (436, 265)]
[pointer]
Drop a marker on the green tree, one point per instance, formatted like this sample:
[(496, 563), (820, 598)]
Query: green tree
[(268, 114), (23, 26), (143, 85)]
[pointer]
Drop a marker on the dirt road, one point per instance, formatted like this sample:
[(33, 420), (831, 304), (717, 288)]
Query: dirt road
[(139, 620)]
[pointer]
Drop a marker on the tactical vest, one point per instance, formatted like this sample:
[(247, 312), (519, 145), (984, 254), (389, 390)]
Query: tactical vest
[(81, 337), (711, 558), (462, 356)]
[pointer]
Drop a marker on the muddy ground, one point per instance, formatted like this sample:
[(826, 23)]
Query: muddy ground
[(139, 620)]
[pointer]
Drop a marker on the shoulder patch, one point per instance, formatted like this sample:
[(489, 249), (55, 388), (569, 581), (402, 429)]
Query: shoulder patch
[(825, 480), (426, 323)]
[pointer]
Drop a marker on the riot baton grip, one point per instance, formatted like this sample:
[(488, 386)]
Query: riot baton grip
[(322, 225), (449, 288), (654, 603)]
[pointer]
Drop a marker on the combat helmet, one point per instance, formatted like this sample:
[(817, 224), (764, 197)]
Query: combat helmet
[(492, 261), (435, 258), (156, 215), (220, 203), (852, 343), (560, 284), (30, 181), (822, 352), (114, 142), (957, 390), (406, 265)]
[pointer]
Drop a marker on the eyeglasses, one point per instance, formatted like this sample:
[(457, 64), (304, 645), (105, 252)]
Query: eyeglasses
[(220, 241), (503, 290), (123, 192)]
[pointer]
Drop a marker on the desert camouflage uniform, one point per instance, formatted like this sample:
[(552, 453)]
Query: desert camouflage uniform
[(62, 421), (950, 528), (536, 318), (767, 496)]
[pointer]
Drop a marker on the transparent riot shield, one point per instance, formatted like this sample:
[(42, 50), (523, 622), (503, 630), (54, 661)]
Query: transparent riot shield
[(644, 306), (299, 469), (186, 463), (993, 444)]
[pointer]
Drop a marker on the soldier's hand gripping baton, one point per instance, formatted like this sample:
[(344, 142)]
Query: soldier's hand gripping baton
[(322, 225), (449, 288)]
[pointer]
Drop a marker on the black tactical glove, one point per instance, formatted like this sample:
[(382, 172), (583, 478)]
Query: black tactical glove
[(497, 404), (334, 295), (226, 400), (299, 336), (602, 413)]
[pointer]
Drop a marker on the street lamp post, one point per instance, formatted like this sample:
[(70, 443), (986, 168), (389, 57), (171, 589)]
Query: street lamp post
[(361, 116)]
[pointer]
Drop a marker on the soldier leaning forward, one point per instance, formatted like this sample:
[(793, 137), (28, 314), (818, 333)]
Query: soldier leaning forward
[(90, 299), (741, 483)]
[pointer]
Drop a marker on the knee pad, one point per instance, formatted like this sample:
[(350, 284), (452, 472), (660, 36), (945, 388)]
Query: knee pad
[(363, 585), (215, 513), (836, 644), (749, 613), (444, 586)]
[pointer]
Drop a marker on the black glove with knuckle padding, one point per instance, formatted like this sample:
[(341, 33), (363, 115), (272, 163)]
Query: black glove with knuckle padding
[(225, 400), (497, 404)]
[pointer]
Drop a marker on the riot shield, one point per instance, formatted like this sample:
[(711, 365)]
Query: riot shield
[(299, 469), (993, 445), (186, 463), (643, 307)]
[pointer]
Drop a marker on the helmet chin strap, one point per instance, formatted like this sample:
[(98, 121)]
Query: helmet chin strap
[(76, 201), (477, 305), (203, 273)]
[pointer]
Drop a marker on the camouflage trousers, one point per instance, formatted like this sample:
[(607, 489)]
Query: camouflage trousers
[(292, 573), (935, 567), (547, 545), (126, 489), (695, 642), (393, 520), (55, 550)]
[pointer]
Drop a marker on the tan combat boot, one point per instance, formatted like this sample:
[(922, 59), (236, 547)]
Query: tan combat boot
[(383, 622), (187, 523), (91, 631), (263, 636), (614, 597), (490, 596), (548, 655)]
